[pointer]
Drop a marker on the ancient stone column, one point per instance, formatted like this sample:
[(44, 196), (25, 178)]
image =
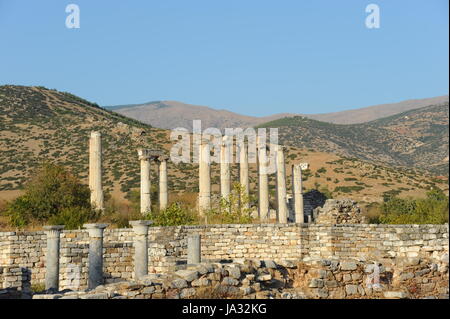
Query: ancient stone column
[(194, 249), (281, 185), (225, 173), (204, 200), (52, 257), (95, 257), (146, 204), (263, 192), (95, 170), (140, 243), (243, 173), (297, 190), (163, 194)]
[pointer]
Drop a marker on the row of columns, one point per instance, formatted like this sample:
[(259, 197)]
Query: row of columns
[(146, 157), (263, 179), (95, 255)]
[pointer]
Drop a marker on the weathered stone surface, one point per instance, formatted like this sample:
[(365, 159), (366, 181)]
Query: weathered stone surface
[(316, 283), (351, 290), (339, 211), (264, 277), (270, 264), (234, 272), (188, 275), (395, 294), (348, 265), (228, 281), (201, 282), (95, 296), (179, 283)]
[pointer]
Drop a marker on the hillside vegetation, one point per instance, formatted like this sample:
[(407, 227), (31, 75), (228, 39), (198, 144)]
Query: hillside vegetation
[(40, 125), (413, 139)]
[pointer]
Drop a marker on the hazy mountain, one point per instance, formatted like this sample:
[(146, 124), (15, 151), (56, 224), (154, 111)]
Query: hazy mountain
[(171, 114)]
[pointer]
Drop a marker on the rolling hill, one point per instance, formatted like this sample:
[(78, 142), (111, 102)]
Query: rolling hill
[(38, 124), (416, 138)]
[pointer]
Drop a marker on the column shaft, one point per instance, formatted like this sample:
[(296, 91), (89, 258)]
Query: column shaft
[(225, 174), (263, 192), (146, 204), (95, 257), (52, 257), (243, 174), (193, 249), (204, 178), (140, 243), (95, 170), (163, 194), (298, 193), (281, 186)]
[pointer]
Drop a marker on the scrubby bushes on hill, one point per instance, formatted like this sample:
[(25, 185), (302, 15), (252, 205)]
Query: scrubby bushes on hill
[(430, 210)]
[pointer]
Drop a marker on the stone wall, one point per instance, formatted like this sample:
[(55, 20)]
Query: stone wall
[(167, 247)]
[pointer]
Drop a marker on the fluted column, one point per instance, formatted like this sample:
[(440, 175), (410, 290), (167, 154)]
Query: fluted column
[(204, 200), (52, 257), (281, 185), (95, 170), (163, 194)]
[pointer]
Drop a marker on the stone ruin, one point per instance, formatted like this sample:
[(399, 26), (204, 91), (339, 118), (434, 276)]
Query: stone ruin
[(336, 256), (339, 211)]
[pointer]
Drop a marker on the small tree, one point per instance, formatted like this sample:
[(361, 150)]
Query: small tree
[(52, 195)]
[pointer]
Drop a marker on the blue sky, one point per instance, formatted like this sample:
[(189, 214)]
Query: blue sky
[(253, 57)]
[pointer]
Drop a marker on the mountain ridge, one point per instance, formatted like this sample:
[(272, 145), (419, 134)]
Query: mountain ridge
[(169, 116)]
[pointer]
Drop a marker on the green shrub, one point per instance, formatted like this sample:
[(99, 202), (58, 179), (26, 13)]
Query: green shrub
[(51, 196), (174, 215), (430, 210)]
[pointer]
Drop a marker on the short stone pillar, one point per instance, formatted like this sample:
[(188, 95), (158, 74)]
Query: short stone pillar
[(95, 257), (140, 243), (281, 185), (225, 173), (194, 249), (243, 174), (146, 204), (204, 198), (263, 185), (163, 194), (95, 170), (52, 256)]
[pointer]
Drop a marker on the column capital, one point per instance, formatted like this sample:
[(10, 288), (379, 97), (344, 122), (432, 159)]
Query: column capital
[(140, 227), (304, 166), (53, 231), (95, 230), (95, 134)]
